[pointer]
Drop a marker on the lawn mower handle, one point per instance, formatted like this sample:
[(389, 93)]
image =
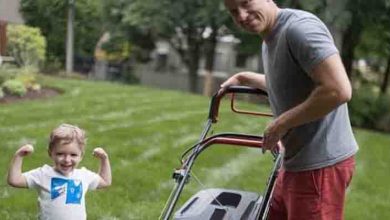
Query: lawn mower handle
[(216, 99), (233, 139)]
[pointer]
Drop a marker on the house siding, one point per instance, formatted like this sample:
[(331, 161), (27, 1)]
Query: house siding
[(9, 11)]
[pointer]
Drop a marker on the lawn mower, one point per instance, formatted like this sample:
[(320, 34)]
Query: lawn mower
[(217, 203)]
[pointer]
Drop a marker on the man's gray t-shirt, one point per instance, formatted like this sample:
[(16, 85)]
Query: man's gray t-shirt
[(298, 42)]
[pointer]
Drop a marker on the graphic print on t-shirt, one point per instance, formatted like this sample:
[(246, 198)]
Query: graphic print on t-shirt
[(72, 188)]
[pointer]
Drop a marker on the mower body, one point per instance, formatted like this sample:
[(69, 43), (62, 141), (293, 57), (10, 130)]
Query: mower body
[(220, 204)]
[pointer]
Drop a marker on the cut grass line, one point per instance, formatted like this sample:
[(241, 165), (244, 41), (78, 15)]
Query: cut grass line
[(99, 116), (104, 116), (155, 120), (231, 169), (186, 140), (26, 126), (105, 128), (14, 144), (116, 115), (149, 153), (4, 193), (174, 116)]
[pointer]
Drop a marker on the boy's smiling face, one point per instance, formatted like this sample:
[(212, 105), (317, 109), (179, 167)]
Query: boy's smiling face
[(66, 157)]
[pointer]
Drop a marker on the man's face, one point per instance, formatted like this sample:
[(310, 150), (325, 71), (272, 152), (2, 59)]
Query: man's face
[(251, 15)]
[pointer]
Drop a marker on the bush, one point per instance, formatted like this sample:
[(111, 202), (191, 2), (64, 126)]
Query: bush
[(14, 87), (26, 45), (368, 110), (382, 122), (1, 93), (27, 76), (7, 72), (129, 77), (53, 66), (360, 108)]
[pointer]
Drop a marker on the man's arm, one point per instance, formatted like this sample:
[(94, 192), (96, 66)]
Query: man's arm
[(105, 168), (15, 177), (332, 88), (251, 79)]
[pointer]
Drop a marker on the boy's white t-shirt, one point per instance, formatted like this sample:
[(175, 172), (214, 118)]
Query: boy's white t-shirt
[(61, 197)]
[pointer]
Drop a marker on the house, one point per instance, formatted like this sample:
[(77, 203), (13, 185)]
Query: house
[(9, 13), (167, 71)]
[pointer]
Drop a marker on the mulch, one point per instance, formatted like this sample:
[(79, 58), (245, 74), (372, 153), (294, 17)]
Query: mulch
[(43, 93)]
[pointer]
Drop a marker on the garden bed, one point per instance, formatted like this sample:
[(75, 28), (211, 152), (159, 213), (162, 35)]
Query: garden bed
[(43, 93)]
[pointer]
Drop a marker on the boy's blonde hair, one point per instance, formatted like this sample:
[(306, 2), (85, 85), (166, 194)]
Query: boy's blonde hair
[(65, 134)]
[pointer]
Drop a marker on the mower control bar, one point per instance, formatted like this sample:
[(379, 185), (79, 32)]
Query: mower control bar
[(240, 140), (216, 99), (234, 139)]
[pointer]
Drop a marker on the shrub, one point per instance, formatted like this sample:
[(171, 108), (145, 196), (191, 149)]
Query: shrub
[(7, 72), (54, 66), (129, 77), (382, 122), (368, 110), (359, 108), (1, 93), (14, 87), (26, 45), (27, 76)]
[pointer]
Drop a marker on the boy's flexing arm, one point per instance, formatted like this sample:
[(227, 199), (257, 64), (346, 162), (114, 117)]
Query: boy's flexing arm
[(15, 177), (105, 167)]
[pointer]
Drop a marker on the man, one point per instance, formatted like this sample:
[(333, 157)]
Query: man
[(308, 89)]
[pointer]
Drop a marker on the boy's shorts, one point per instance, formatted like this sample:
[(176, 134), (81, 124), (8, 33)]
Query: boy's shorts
[(312, 195)]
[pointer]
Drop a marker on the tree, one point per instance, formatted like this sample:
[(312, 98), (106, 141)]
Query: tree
[(217, 17), (183, 23), (50, 17), (26, 45), (140, 38), (386, 76), (375, 44), (346, 19), (384, 48)]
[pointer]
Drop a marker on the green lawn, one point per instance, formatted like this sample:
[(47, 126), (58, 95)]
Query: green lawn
[(145, 131)]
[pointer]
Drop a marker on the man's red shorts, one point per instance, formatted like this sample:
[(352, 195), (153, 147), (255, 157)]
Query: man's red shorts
[(312, 195)]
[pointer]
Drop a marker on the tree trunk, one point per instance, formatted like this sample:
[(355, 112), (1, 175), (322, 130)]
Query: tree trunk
[(211, 45), (347, 50), (3, 37), (296, 4), (385, 82), (350, 40), (194, 45), (193, 70)]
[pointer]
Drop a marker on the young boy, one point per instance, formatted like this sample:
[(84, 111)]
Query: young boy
[(61, 187)]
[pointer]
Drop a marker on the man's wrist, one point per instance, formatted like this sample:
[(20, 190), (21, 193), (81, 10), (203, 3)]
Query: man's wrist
[(281, 125), (17, 155), (104, 158)]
